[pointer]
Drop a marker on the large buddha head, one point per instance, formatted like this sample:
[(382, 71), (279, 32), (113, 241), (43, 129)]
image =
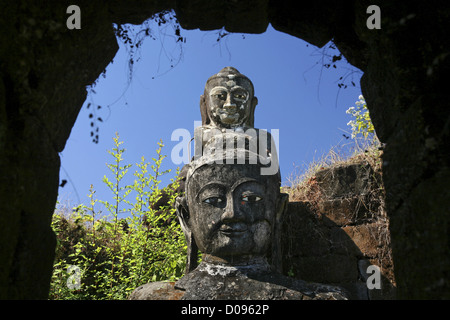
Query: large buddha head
[(231, 211), (228, 100)]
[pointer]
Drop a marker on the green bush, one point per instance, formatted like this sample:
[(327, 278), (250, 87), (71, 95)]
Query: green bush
[(106, 256)]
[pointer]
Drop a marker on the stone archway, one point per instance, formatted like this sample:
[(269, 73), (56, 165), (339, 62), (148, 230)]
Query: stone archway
[(44, 68)]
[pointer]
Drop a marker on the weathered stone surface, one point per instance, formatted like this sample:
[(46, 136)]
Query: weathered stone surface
[(248, 16), (344, 181), (331, 268), (364, 237), (416, 136), (326, 239), (302, 234), (418, 237), (341, 212), (342, 243), (213, 282), (357, 290), (160, 290), (292, 18), (43, 73)]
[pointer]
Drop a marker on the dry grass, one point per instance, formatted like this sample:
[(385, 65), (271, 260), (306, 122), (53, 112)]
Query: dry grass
[(301, 185), (304, 187)]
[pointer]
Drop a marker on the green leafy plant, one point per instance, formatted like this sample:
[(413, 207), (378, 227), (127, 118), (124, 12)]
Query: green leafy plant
[(136, 240), (362, 124)]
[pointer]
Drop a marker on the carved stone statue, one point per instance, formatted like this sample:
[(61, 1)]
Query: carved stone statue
[(232, 213), (231, 210), (228, 100), (228, 106)]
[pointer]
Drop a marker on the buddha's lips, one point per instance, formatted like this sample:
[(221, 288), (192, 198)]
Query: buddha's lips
[(233, 228), (228, 115)]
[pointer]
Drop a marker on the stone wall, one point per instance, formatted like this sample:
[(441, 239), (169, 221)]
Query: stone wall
[(340, 231)]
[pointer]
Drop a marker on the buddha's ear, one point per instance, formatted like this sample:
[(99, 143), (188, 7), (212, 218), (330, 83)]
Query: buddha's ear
[(282, 204), (182, 210), (254, 102), (281, 209), (192, 249), (251, 117), (203, 111)]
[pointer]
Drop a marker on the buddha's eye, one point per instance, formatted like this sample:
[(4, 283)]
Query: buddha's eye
[(250, 198), (214, 201), (240, 96), (220, 96)]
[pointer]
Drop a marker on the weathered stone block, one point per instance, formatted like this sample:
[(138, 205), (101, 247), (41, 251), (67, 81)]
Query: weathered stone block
[(344, 181), (302, 232), (332, 268), (156, 291), (364, 237), (345, 211), (357, 290), (235, 16), (342, 244)]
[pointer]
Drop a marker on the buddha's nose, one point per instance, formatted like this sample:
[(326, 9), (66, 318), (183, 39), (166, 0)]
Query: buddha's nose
[(230, 105), (231, 212)]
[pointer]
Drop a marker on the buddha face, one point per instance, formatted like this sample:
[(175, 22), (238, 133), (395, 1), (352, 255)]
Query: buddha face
[(229, 100), (231, 210)]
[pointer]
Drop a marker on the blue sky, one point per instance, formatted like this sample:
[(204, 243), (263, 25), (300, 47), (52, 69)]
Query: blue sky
[(296, 94)]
